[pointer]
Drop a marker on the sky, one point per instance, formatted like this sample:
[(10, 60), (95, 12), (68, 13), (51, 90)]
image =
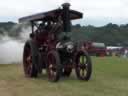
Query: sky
[(96, 12)]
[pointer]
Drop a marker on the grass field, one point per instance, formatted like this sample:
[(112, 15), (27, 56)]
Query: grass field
[(109, 78)]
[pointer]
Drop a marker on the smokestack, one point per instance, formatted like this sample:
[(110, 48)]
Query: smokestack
[(66, 17)]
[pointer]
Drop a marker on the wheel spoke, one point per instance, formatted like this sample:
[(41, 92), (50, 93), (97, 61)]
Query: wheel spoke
[(52, 67), (29, 59), (83, 74), (28, 62)]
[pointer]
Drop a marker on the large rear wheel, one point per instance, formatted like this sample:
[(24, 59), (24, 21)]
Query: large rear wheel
[(53, 66), (30, 59), (83, 65)]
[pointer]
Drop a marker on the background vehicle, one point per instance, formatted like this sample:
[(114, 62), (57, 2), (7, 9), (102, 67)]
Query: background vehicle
[(95, 48)]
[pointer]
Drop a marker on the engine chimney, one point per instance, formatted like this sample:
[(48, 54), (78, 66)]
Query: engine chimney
[(66, 17)]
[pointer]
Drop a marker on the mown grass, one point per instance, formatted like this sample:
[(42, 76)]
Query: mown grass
[(109, 78)]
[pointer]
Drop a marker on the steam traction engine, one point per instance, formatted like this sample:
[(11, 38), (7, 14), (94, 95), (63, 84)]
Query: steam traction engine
[(51, 47)]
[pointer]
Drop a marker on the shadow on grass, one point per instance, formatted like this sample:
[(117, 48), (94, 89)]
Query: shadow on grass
[(71, 78)]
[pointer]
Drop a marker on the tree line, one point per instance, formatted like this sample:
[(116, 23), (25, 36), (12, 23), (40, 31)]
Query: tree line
[(110, 34)]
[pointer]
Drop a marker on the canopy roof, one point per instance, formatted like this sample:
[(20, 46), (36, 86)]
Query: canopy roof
[(51, 15)]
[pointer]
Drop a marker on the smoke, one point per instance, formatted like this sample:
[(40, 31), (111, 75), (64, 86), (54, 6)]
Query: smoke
[(11, 49), (11, 52)]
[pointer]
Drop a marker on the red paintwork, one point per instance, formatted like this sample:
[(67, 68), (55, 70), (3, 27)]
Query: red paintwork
[(45, 38)]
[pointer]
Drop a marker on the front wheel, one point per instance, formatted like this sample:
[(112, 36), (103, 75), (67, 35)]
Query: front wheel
[(83, 65), (53, 66)]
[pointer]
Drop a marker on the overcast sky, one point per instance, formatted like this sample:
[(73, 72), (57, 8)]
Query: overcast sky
[(96, 12)]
